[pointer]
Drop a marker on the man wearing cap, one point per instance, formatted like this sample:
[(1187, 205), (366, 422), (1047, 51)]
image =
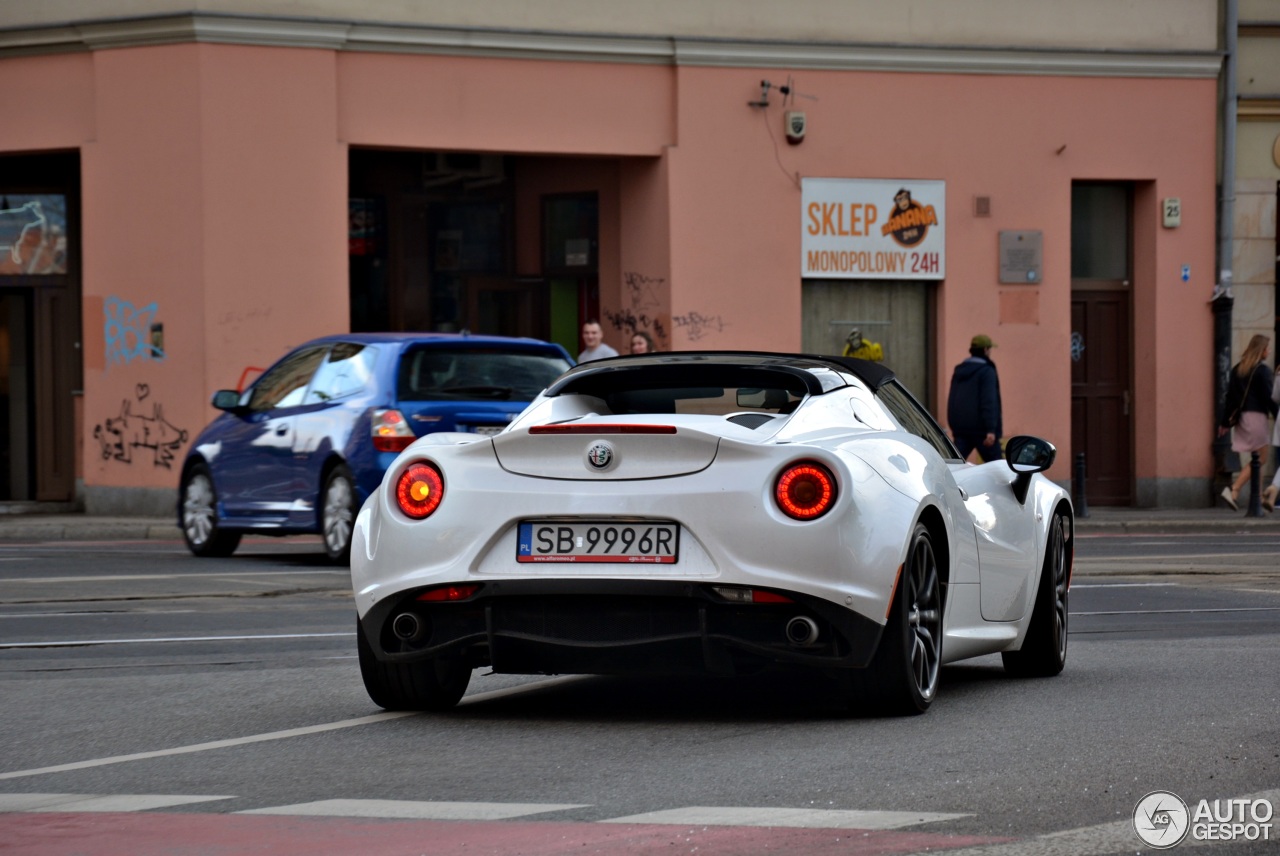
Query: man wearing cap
[(973, 407)]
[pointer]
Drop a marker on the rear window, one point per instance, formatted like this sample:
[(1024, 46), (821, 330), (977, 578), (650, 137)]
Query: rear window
[(710, 401), (461, 374), (714, 389)]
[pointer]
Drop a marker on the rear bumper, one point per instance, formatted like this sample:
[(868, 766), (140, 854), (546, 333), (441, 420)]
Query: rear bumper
[(619, 627)]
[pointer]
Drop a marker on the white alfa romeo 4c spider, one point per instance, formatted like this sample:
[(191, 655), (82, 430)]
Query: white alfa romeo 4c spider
[(717, 513)]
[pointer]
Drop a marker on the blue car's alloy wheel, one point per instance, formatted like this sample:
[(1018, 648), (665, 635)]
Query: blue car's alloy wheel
[(200, 527), (338, 514)]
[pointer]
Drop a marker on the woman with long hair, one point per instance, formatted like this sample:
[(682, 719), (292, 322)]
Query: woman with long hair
[(1245, 412)]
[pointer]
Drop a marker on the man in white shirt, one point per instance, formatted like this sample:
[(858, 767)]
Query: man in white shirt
[(593, 338)]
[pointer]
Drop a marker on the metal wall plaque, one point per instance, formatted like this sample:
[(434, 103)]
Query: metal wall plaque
[(1021, 257)]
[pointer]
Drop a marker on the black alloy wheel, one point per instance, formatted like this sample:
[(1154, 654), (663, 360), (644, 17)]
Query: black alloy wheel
[(1044, 649), (902, 678)]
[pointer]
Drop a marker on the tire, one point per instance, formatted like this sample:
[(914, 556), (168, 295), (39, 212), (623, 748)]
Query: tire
[(201, 530), (902, 677), (425, 685), (338, 514), (1044, 649)]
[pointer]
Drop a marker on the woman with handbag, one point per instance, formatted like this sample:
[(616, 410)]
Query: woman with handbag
[(1248, 404)]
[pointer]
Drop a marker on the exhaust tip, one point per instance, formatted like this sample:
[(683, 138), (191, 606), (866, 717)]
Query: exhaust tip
[(802, 631), (408, 627)]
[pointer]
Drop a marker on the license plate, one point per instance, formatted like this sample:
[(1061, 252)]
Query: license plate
[(637, 543)]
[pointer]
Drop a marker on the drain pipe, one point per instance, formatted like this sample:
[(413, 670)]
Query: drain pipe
[(1222, 299)]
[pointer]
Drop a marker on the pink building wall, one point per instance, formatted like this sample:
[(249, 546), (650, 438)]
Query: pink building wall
[(215, 185), (214, 204), (735, 224)]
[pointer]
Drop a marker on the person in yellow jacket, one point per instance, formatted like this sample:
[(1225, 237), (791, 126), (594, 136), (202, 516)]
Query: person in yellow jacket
[(862, 349)]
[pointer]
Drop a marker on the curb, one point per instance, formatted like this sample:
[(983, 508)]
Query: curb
[(89, 529)]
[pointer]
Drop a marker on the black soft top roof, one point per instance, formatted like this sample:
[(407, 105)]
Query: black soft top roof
[(714, 368)]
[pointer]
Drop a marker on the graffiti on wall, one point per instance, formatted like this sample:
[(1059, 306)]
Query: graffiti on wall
[(640, 292), (696, 325), (131, 332), (119, 435)]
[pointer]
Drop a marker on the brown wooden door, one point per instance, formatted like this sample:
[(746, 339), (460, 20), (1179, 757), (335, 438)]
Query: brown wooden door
[(1101, 398)]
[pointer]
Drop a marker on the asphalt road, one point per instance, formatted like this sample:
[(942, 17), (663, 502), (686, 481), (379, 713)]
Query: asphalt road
[(151, 702)]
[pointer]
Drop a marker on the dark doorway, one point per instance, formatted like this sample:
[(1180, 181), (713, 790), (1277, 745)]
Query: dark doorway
[(16, 411), (1101, 339), (40, 355), (570, 261)]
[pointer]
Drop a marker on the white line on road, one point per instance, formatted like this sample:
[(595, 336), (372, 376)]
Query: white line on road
[(1181, 611), (1180, 557), (215, 744), (94, 802), (131, 613), (278, 735), (84, 643), (222, 575), (414, 809), (798, 818), (1075, 586)]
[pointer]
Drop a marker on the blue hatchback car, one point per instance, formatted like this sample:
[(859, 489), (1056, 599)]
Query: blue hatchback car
[(300, 450)]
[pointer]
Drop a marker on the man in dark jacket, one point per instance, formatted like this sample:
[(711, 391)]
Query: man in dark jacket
[(973, 407)]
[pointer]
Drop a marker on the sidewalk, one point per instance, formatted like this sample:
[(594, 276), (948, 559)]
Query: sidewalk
[(37, 527)]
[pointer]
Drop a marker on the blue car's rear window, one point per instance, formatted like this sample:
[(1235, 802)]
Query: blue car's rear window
[(459, 374)]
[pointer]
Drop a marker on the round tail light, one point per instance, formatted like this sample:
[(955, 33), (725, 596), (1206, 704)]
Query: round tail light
[(805, 490), (419, 490)]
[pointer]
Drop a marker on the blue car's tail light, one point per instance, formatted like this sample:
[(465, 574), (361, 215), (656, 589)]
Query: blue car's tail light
[(419, 490), (391, 432), (805, 490)]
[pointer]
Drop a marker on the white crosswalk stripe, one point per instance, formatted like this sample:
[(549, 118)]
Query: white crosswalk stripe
[(413, 809), (95, 802), (801, 818)]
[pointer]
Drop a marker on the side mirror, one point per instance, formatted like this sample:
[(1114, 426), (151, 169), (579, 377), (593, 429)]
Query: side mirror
[(1027, 455), (226, 399)]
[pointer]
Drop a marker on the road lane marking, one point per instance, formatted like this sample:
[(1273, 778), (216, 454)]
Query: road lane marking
[(214, 744), (1143, 557), (1183, 611), (1075, 586), (415, 809), (84, 643), (798, 818), (281, 735), (124, 613), (217, 576), (95, 802)]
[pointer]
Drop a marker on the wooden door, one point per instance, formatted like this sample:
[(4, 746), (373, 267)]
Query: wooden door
[(1101, 393), (894, 315)]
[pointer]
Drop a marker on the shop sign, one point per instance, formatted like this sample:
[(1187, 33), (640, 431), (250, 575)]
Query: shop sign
[(853, 228)]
